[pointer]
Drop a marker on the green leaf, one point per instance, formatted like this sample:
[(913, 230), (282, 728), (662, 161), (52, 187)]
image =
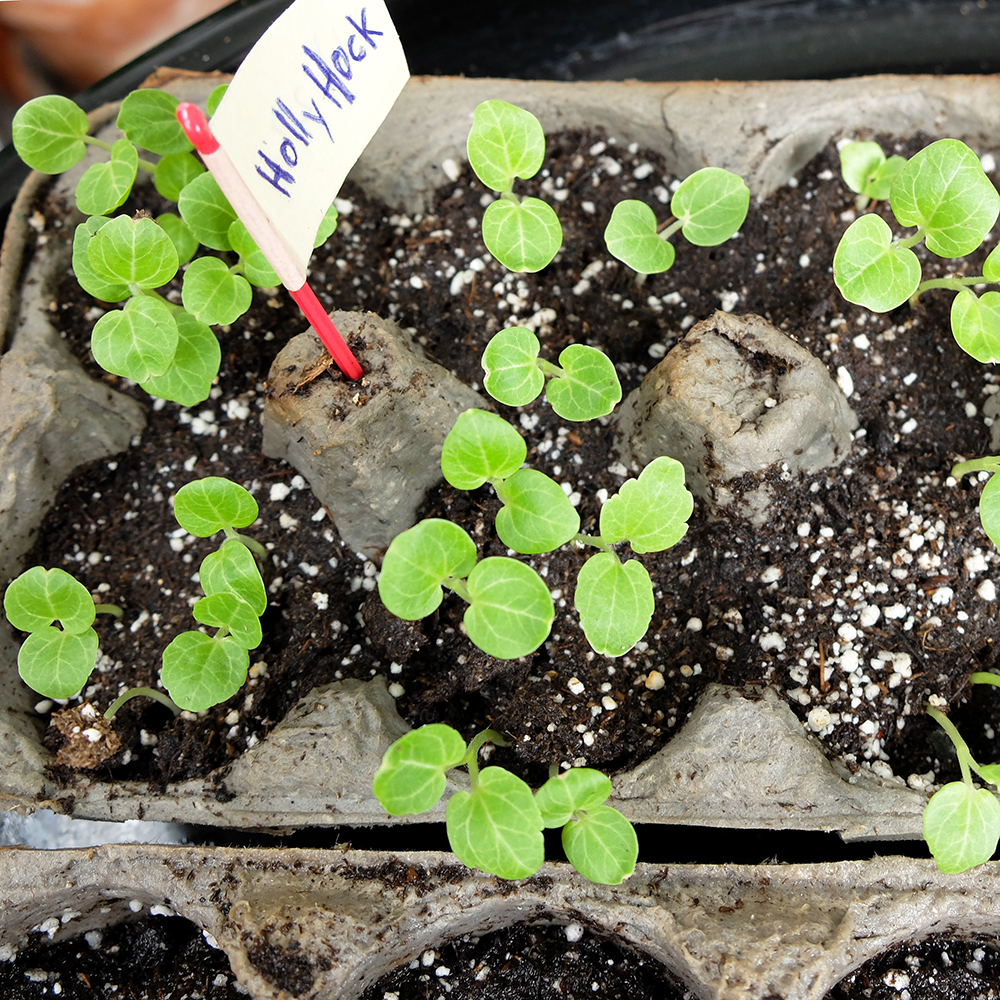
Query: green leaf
[(200, 671), (411, 778), (48, 132), (184, 241), (55, 663), (136, 251), (90, 281), (228, 610), (137, 341), (615, 603), (991, 266), (601, 845), (961, 826), (975, 323), (213, 294), (231, 570), (989, 510), (632, 238), (536, 516), (588, 387), (205, 506), (497, 827), (481, 446), (870, 270), (523, 236), (944, 190), (215, 99), (651, 512), (105, 186), (148, 117), (327, 227), (418, 561), (511, 365), (205, 209), (859, 161), (990, 773), (194, 366), (880, 184), (174, 172), (511, 610), (505, 142), (255, 265), (39, 597), (578, 788), (712, 203)]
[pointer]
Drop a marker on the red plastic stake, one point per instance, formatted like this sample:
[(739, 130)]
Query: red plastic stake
[(196, 127)]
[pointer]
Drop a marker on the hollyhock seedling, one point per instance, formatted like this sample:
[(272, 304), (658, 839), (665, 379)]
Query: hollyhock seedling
[(497, 825), (867, 171)]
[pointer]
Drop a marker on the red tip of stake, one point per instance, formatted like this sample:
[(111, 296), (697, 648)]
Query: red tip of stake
[(195, 126)]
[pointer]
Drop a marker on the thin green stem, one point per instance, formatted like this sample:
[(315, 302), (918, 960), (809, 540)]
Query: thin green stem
[(982, 677), (459, 587), (471, 758), (147, 165), (547, 368), (955, 284), (596, 540), (108, 609), (140, 693), (671, 229), (965, 758), (911, 241), (251, 543), (989, 463)]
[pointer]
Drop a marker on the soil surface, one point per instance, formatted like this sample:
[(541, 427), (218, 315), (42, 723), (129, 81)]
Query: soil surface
[(869, 590)]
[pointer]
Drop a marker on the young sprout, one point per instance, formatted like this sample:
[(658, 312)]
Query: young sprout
[(709, 207), (583, 386), (944, 193), (962, 822), (497, 825), (505, 143), (510, 609), (867, 172)]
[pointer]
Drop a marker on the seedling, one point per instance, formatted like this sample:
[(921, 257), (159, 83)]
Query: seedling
[(497, 826), (943, 192), (170, 351), (199, 670), (613, 598), (506, 143), (584, 384), (962, 822), (867, 172), (989, 500), (709, 207)]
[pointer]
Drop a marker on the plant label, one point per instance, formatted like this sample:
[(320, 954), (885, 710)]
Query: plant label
[(303, 106)]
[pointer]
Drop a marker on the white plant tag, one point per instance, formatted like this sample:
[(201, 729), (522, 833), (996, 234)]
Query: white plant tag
[(304, 104)]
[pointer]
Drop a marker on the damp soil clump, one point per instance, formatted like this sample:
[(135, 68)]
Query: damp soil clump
[(869, 589)]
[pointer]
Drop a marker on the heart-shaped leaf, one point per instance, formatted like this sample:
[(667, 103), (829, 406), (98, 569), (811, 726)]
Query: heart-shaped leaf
[(523, 236), (712, 204), (174, 172), (39, 597), (975, 323), (870, 270), (511, 610), (418, 561), (989, 509), (205, 506), (944, 190), (651, 512), (536, 516), (230, 611), (105, 186), (90, 281), (859, 162), (588, 387), (194, 366), (511, 365), (497, 827), (481, 446), (961, 826), (231, 569), (185, 242), (991, 266), (48, 132), (207, 212), (631, 237), (578, 788), (56, 663), (214, 294), (200, 671), (135, 251), (148, 117), (137, 341), (601, 845), (255, 265), (411, 778), (615, 603), (505, 142)]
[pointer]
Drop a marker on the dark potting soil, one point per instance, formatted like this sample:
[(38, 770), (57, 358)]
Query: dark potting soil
[(869, 591)]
